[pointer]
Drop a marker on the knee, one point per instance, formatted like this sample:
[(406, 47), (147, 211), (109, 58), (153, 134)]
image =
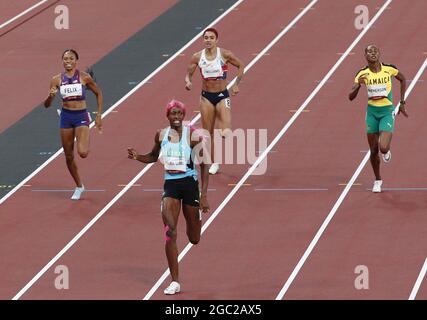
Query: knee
[(83, 154), (384, 149), (194, 240), (225, 133), (170, 233), (193, 236)]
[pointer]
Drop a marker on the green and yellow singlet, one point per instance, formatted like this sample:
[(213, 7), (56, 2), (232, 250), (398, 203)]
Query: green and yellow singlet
[(379, 85)]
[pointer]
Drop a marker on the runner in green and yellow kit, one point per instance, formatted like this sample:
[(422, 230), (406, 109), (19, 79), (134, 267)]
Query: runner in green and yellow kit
[(376, 76)]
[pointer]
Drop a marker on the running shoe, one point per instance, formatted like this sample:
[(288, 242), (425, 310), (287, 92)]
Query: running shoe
[(377, 186), (214, 168), (78, 192), (173, 288), (387, 156)]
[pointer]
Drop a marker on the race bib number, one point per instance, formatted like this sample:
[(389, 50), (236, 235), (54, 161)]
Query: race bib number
[(175, 164), (227, 102), (212, 73), (376, 92), (71, 90)]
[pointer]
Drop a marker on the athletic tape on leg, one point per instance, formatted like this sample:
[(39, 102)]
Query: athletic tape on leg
[(167, 233)]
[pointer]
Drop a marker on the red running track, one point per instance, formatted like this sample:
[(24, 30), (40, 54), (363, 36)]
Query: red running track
[(60, 217), (247, 253), (384, 232), (27, 52), (10, 9)]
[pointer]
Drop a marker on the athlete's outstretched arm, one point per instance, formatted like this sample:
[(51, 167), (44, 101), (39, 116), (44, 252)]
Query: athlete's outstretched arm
[(148, 157), (402, 106)]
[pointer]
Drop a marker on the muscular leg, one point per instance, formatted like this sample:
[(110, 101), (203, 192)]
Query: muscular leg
[(82, 137), (67, 139), (385, 141), (223, 123), (170, 214), (223, 117), (375, 158), (194, 224), (208, 114)]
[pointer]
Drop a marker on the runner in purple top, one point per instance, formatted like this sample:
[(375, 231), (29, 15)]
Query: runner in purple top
[(75, 119), (70, 87)]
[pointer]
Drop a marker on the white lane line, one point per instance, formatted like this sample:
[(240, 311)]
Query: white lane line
[(260, 151), (128, 186), (271, 145), (146, 168), (419, 281), (22, 14), (79, 235), (268, 47), (339, 201), (120, 101)]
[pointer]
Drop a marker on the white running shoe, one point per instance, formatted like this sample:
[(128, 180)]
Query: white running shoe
[(387, 156), (377, 186), (78, 192), (173, 288), (214, 168)]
